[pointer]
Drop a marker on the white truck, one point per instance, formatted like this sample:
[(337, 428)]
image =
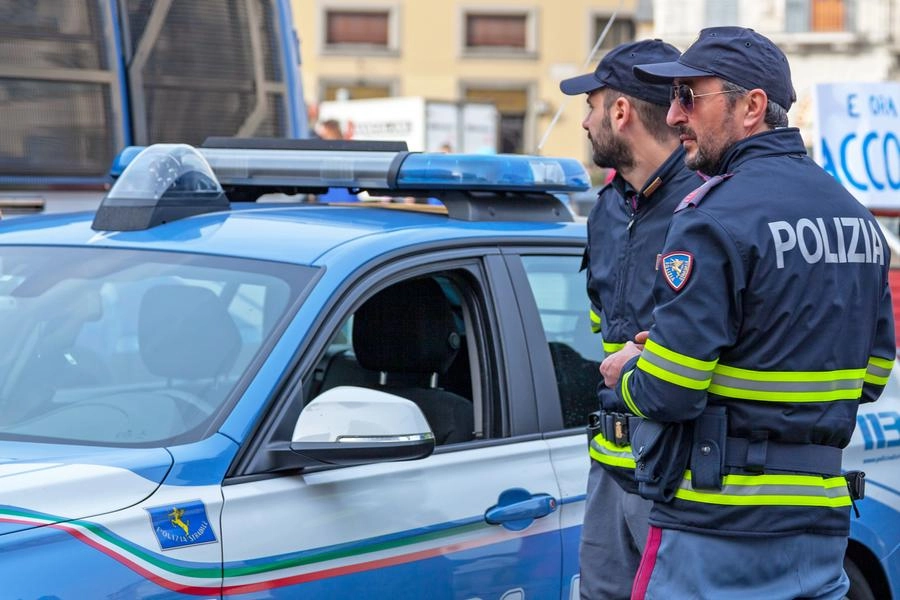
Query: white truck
[(425, 125)]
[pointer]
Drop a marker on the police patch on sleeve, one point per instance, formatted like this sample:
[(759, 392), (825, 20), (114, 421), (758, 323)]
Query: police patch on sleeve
[(181, 525), (676, 267)]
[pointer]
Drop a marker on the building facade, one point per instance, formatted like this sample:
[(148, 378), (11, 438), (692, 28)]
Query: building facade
[(826, 41), (514, 54), (504, 51)]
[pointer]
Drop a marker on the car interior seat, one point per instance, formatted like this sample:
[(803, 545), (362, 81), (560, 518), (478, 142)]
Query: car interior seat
[(577, 375), (407, 334), (185, 333)]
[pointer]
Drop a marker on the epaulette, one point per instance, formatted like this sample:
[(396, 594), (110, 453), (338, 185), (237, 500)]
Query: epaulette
[(695, 197)]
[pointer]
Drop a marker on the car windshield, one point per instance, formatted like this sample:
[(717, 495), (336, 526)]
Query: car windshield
[(130, 348)]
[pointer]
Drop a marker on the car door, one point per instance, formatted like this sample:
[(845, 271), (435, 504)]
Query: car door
[(566, 356), (478, 518)]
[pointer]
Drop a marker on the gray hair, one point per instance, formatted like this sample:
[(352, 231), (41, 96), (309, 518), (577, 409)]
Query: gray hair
[(776, 115)]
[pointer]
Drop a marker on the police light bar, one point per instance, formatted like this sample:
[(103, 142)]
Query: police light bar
[(384, 170), (166, 182), (162, 183)]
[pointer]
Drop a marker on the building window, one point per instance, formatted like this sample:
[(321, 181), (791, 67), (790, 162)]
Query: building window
[(721, 12), (512, 105), (499, 32), (496, 31), (621, 31), (828, 15), (354, 91), (358, 29), (819, 16)]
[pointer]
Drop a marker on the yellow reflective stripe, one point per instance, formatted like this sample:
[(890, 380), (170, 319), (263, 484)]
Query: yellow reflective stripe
[(610, 347), (787, 386), (885, 363), (788, 376), (879, 370), (673, 378), (675, 368), (681, 359), (604, 451), (771, 490), (626, 395), (761, 396), (595, 321)]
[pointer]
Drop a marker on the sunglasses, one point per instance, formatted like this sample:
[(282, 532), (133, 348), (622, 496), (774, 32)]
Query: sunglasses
[(686, 96)]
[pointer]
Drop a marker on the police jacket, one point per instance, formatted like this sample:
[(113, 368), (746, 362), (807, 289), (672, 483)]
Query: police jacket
[(626, 230), (772, 301)]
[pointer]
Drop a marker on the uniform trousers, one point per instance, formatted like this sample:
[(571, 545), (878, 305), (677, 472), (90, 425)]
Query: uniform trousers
[(612, 537), (682, 565)]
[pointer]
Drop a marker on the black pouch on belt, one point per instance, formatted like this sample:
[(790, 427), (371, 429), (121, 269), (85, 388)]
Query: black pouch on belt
[(661, 453), (708, 452)]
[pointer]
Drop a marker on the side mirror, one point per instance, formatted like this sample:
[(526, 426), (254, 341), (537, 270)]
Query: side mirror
[(357, 426)]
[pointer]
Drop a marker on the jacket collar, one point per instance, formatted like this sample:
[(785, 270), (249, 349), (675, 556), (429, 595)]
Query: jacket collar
[(784, 140), (666, 171)]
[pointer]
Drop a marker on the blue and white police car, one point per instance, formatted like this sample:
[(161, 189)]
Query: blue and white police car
[(205, 397)]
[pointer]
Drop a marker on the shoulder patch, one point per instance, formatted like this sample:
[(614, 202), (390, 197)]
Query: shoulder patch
[(696, 197), (676, 267)]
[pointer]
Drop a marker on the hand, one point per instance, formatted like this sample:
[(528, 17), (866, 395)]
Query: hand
[(611, 367), (641, 338)]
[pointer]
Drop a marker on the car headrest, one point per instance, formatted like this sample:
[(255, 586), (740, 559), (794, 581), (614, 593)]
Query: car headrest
[(406, 328), (186, 332)]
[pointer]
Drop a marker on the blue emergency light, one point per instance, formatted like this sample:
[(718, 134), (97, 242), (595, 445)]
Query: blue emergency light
[(165, 182)]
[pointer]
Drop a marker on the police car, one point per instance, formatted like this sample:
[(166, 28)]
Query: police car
[(208, 391)]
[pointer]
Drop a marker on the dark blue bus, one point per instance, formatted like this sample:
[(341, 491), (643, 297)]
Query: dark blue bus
[(82, 79)]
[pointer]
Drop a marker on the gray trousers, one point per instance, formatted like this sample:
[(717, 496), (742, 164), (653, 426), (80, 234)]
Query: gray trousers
[(695, 566), (612, 537)]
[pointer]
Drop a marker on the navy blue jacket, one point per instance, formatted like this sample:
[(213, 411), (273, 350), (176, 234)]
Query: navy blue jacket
[(626, 230), (772, 300)]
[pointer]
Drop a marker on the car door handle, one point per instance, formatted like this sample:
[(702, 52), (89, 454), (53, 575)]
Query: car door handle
[(517, 508)]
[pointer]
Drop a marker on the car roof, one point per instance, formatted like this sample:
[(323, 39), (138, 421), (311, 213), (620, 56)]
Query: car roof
[(293, 233)]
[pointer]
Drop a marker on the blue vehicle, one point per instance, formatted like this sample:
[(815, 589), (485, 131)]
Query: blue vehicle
[(208, 389), (82, 79)]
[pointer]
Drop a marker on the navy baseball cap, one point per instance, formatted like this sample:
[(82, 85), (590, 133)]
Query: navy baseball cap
[(735, 54), (616, 71)]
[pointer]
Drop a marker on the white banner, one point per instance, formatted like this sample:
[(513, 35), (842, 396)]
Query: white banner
[(858, 139)]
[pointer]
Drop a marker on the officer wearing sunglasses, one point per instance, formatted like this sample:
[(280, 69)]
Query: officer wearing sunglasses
[(766, 335), (626, 126)]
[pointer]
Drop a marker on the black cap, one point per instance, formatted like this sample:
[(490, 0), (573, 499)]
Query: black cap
[(735, 54), (615, 71)]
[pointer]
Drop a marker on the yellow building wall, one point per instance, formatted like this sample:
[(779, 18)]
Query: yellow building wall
[(430, 60)]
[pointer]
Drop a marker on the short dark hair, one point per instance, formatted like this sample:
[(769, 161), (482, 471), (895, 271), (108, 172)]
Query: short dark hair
[(776, 115), (653, 116)]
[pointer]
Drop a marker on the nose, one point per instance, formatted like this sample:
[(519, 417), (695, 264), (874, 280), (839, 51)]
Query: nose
[(676, 115)]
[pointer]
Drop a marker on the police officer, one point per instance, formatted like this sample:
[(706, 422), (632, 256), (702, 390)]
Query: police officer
[(626, 125), (772, 322)]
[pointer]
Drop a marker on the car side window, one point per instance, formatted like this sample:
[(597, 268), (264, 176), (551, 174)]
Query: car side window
[(414, 339), (559, 292)]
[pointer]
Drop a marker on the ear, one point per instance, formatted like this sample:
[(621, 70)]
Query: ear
[(621, 113), (755, 102)]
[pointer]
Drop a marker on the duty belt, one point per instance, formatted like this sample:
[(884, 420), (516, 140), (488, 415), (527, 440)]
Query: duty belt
[(763, 455), (614, 426)]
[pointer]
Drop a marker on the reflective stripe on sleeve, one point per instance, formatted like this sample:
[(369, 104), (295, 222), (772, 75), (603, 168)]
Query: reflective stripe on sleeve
[(787, 386), (878, 371), (771, 490), (604, 451), (626, 395), (677, 369), (595, 322), (610, 347)]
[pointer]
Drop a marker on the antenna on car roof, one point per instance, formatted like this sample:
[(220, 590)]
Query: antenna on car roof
[(587, 62)]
